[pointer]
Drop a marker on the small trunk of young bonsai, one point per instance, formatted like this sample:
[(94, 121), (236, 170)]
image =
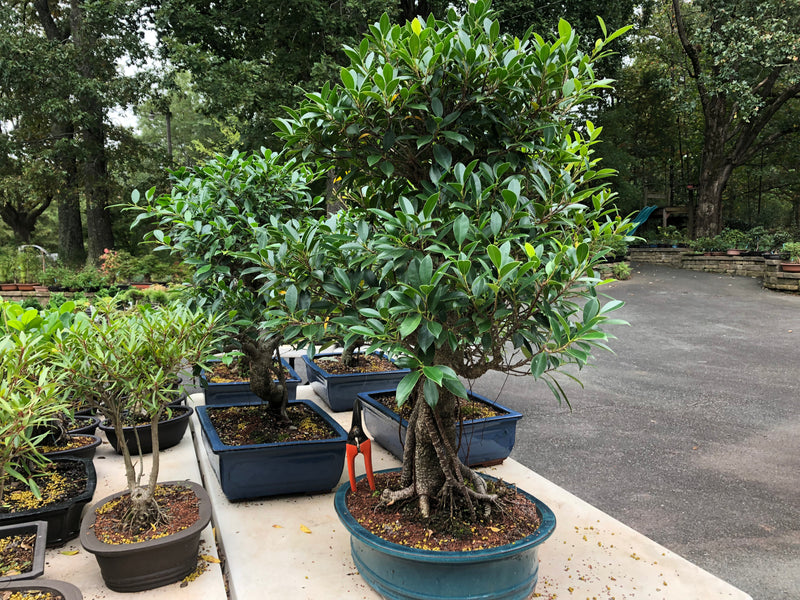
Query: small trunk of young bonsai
[(267, 378), (349, 354), (144, 508)]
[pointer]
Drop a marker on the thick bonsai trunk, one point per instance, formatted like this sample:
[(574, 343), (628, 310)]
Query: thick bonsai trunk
[(268, 381), (144, 508), (432, 472)]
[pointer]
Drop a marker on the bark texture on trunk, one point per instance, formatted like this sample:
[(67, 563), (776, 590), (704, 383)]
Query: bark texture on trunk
[(71, 249), (266, 381), (432, 472), (70, 229)]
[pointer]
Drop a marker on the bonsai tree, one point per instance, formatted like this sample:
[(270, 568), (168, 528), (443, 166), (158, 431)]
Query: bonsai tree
[(126, 363), (207, 220), (473, 214), (29, 391), (793, 248)]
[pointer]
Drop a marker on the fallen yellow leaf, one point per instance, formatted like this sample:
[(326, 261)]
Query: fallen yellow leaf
[(278, 526), (304, 529), (209, 558), (69, 552)]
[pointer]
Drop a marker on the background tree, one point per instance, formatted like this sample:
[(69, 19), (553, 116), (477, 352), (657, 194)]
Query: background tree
[(743, 58), (649, 138), (63, 73), (516, 16), (174, 127)]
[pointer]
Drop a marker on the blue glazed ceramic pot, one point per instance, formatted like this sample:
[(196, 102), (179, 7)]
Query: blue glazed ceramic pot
[(486, 441), (399, 572), (339, 391), (238, 392), (258, 470)]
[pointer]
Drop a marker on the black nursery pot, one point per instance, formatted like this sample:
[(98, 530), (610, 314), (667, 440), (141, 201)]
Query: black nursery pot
[(39, 528), (170, 432), (85, 424), (86, 451), (63, 518), (56, 589)]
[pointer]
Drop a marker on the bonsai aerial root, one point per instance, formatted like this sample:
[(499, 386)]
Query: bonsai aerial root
[(461, 484)]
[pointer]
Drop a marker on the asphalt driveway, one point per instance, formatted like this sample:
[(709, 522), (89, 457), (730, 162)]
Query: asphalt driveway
[(690, 432)]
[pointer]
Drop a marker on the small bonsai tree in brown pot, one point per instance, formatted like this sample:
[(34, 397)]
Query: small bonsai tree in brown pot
[(126, 362)]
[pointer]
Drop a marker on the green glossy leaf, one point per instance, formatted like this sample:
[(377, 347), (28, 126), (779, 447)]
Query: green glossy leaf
[(461, 228), (442, 156), (431, 391), (291, 298), (538, 365), (409, 325)]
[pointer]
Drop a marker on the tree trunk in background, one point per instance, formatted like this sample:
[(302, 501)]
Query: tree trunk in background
[(95, 185), (715, 170), (70, 227), (95, 162)]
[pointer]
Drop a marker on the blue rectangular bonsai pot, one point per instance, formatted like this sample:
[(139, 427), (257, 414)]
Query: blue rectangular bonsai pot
[(258, 470), (238, 392), (339, 391), (486, 441)]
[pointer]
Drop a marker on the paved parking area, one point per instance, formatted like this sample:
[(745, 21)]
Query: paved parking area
[(690, 432)]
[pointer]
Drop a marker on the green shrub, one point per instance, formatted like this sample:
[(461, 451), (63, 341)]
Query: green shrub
[(621, 270)]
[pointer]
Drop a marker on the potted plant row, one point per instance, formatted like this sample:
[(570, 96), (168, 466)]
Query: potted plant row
[(32, 487), (473, 216)]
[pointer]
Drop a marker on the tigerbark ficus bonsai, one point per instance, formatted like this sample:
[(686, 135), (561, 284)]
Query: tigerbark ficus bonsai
[(473, 216)]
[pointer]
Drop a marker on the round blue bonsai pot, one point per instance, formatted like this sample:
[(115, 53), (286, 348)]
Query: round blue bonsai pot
[(399, 572)]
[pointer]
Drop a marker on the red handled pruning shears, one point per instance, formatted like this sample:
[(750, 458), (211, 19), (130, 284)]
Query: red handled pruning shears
[(358, 442)]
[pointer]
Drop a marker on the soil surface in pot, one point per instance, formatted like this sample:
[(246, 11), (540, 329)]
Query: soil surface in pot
[(245, 425), (16, 553), (513, 518), (233, 373), (72, 442), (365, 363), (57, 482), (465, 409), (178, 508), (77, 422), (30, 594)]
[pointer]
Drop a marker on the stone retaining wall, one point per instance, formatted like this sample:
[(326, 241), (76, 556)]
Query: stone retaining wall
[(769, 271)]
